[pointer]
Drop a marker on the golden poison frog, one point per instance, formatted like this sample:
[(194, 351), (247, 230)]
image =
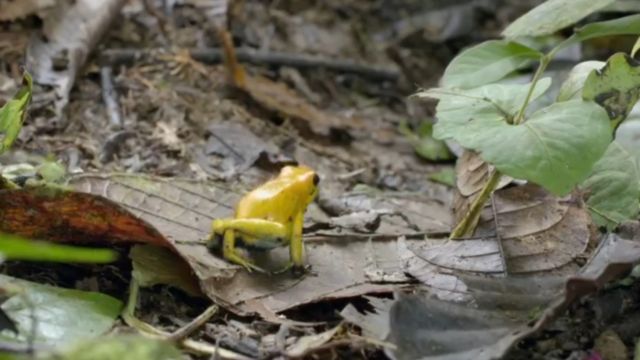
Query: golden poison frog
[(271, 215)]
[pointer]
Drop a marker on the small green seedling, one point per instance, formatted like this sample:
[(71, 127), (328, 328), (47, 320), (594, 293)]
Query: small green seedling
[(13, 113)]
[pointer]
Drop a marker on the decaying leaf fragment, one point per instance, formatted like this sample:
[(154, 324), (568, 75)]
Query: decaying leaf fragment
[(279, 98)]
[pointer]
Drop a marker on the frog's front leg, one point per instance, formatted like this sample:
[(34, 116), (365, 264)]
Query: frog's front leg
[(296, 247)]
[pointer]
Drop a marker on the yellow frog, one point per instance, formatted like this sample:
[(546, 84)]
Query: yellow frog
[(271, 215)]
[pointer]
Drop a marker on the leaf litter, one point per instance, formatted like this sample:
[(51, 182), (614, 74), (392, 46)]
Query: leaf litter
[(386, 259), (182, 212)]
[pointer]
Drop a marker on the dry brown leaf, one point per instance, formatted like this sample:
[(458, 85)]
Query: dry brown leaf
[(279, 98), (522, 211), (540, 234), (63, 216), (471, 175), (16, 9)]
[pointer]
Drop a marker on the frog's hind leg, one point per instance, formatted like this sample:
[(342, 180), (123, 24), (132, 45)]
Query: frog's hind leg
[(256, 228), (230, 253)]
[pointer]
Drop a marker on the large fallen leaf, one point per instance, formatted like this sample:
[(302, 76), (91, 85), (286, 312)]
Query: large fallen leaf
[(50, 315), (496, 313), (536, 233), (69, 34), (182, 211), (64, 216)]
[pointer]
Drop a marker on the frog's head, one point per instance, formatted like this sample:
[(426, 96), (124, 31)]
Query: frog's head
[(305, 179)]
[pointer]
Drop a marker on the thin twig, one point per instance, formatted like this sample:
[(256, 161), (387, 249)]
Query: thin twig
[(184, 332), (110, 97), (115, 57)]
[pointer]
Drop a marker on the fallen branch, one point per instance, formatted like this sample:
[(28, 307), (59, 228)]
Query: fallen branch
[(116, 57)]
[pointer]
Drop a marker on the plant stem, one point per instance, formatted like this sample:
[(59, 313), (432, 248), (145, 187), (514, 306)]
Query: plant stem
[(470, 220), (544, 62)]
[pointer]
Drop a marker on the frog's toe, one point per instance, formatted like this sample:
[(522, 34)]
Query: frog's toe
[(215, 242), (300, 270), (244, 262)]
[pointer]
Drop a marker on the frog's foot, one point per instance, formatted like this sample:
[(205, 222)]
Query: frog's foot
[(236, 258), (296, 270)]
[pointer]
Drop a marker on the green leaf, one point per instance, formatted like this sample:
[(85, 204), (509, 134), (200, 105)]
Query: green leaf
[(628, 25), (461, 112), (614, 187), (486, 63), (154, 265), (446, 176), (16, 248), (58, 316), (52, 171), (122, 347), (552, 16), (616, 87), (424, 144), (13, 113), (555, 148), (628, 134), (572, 86)]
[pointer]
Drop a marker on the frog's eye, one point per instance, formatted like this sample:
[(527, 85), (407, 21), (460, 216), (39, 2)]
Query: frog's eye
[(316, 179)]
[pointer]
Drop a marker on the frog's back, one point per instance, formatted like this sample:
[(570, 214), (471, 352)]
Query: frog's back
[(276, 200)]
